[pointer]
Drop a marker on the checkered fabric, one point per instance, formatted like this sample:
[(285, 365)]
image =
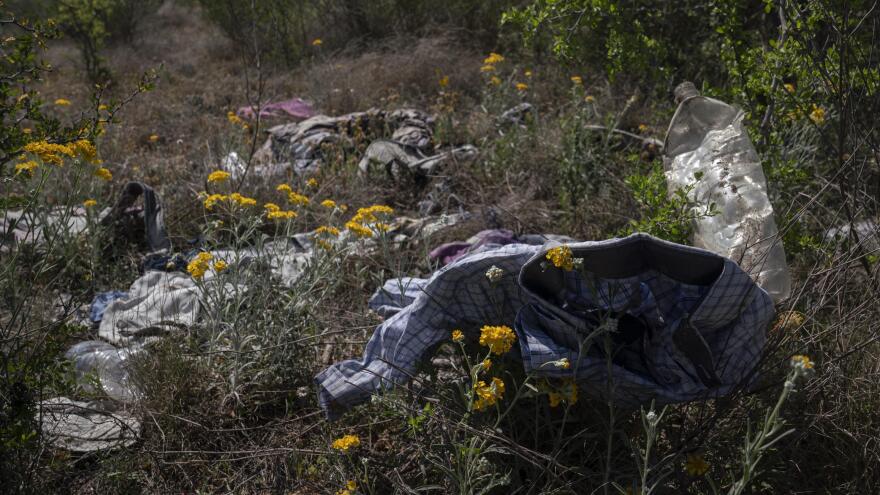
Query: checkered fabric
[(682, 323)]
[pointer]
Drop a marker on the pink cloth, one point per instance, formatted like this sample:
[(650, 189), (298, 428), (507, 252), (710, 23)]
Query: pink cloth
[(294, 107)]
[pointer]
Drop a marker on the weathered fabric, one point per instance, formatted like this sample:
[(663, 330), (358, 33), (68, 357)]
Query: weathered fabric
[(689, 324), (488, 239), (394, 158), (81, 426), (296, 108)]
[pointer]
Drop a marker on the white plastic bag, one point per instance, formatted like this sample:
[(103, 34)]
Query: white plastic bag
[(707, 140)]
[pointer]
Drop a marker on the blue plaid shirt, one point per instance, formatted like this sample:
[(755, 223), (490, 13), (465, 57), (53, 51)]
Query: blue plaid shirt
[(684, 323)]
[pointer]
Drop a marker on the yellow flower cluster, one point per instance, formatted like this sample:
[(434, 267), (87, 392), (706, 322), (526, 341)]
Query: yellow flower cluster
[(349, 489), (153, 138), (50, 152), (317, 42), (801, 361), (493, 58), (817, 115), (242, 200), (28, 166), (696, 465), (103, 173), (61, 102), (488, 395), (199, 265), (295, 198), (521, 86), (213, 199), (218, 176), (486, 364), (788, 321), (220, 265), (313, 182), (499, 339), (577, 80), (568, 393), (329, 204), (489, 64), (235, 198), (89, 203), (347, 442), (326, 229), (367, 221), (561, 257), (236, 120), (271, 207), (281, 215), (284, 188), (444, 81), (457, 335)]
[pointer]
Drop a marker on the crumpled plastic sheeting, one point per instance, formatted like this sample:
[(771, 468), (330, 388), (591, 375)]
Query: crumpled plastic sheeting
[(81, 426), (707, 140), (296, 108)]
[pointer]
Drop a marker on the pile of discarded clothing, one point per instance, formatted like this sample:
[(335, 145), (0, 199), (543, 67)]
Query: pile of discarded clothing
[(685, 323), (300, 146)]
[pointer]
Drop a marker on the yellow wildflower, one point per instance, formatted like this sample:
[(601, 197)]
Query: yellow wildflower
[(563, 363), (495, 81), (317, 42), (220, 265), (486, 364), (326, 229), (102, 107), (643, 128), (696, 465), (234, 119), (801, 361), (271, 207), (561, 257), (328, 203), (788, 87), (817, 115), (153, 138), (297, 199), (499, 339), (457, 335), (28, 166), (577, 80), (369, 214), (521, 86), (487, 68), (89, 203), (49, 152), (281, 215), (313, 182), (284, 188), (213, 199), (488, 395), (103, 173), (85, 149), (444, 81), (590, 99), (242, 200), (528, 73), (493, 58), (358, 229), (199, 265), (218, 176), (61, 102), (345, 443)]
